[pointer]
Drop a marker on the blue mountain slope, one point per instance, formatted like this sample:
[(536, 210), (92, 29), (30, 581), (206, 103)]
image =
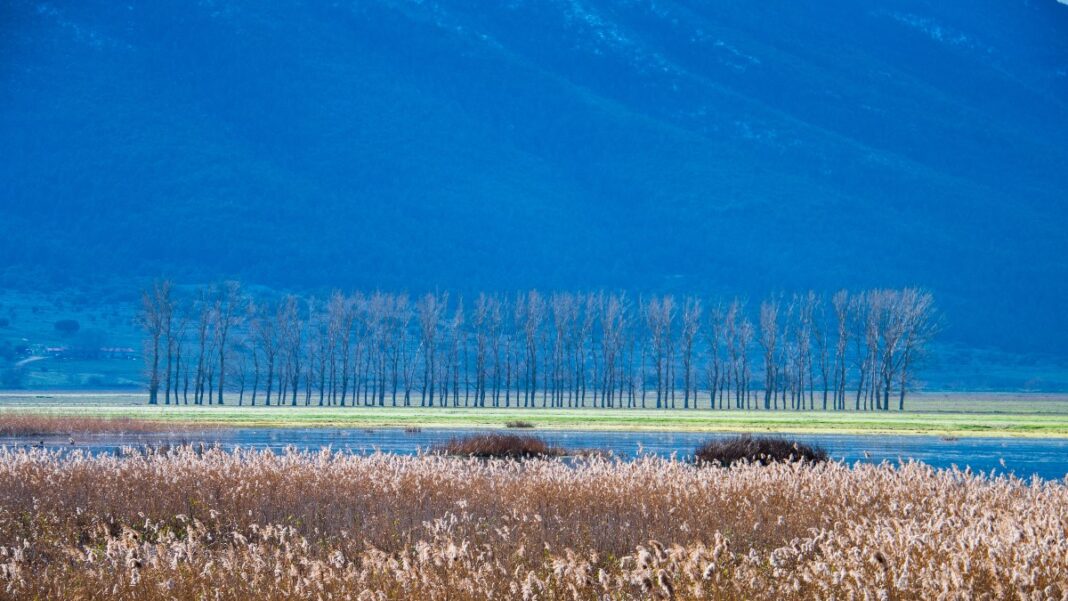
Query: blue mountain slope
[(673, 146)]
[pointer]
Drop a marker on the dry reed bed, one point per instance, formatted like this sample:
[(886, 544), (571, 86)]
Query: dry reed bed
[(29, 424), (218, 525)]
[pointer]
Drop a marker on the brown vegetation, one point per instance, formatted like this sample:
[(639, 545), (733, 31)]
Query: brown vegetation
[(761, 450), (518, 424), (26, 424), (220, 525), (498, 446)]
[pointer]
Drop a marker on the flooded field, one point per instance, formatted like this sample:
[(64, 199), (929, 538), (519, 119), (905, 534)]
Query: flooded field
[(1025, 457)]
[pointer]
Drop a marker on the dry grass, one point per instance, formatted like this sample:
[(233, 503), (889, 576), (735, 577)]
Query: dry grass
[(19, 424), (217, 525), (763, 450), (498, 446)]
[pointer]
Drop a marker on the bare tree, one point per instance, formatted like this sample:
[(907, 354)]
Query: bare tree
[(691, 325), (613, 326), (239, 367), (746, 332), (842, 304), (659, 315), (169, 310), (320, 341), (806, 316), (530, 314), (177, 340), (497, 315), (339, 336), (229, 308), (430, 309), (154, 318), (377, 319), (921, 325), (291, 334), (482, 325), (251, 340), (591, 312), (400, 316), (823, 360), (715, 332), (452, 341), (204, 319), (731, 322), (892, 330), (564, 315), (769, 336), (873, 337), (264, 333)]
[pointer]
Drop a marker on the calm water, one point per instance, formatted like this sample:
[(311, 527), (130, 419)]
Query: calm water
[(1045, 457)]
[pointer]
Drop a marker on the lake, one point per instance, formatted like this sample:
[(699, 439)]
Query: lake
[(1025, 457)]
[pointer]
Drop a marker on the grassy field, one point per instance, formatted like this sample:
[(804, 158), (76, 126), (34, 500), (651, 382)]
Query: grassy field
[(936, 414)]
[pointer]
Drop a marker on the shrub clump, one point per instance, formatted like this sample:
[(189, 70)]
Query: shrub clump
[(518, 424), (759, 450), (499, 446)]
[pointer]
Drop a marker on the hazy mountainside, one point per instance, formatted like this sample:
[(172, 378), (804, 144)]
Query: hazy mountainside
[(731, 147)]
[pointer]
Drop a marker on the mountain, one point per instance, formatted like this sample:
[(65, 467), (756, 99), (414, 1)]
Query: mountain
[(722, 147)]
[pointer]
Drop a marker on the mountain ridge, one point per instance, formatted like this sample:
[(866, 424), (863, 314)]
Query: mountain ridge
[(668, 146)]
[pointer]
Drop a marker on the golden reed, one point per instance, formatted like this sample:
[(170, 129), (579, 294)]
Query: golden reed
[(190, 524)]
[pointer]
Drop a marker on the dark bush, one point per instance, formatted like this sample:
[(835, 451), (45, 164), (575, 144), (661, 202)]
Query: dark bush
[(518, 424), (67, 326), (501, 446), (762, 450)]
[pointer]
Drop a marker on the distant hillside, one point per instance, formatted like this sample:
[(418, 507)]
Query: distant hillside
[(732, 147)]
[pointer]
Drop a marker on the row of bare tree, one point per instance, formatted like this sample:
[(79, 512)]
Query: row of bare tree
[(598, 349)]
